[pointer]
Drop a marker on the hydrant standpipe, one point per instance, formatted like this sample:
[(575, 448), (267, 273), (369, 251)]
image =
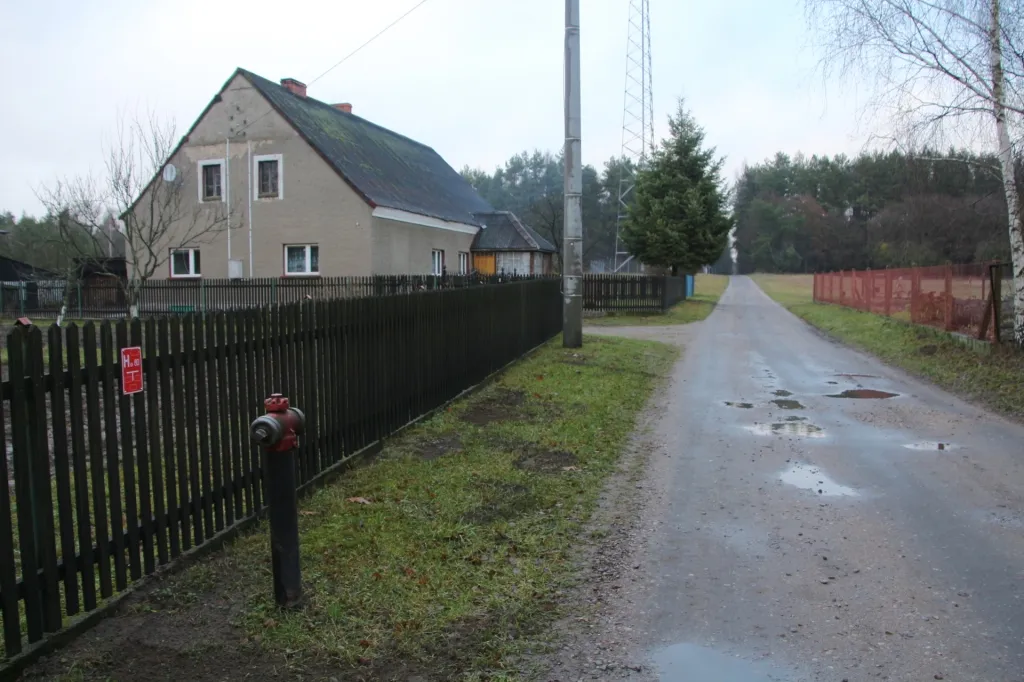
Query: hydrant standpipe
[(277, 432)]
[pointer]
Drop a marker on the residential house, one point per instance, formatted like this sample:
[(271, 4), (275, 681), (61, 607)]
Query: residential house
[(506, 245), (311, 189)]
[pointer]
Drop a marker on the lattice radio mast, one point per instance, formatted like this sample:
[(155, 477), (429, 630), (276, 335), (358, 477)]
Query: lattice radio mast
[(637, 116)]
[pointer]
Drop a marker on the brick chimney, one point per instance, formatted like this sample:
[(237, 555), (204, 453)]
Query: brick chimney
[(293, 86), (344, 106)]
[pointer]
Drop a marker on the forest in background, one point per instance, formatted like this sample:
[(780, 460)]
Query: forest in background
[(878, 210)]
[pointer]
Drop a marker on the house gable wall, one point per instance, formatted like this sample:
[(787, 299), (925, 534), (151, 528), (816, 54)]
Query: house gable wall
[(316, 206)]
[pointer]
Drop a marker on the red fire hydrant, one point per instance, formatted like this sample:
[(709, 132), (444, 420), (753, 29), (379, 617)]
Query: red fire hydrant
[(277, 432)]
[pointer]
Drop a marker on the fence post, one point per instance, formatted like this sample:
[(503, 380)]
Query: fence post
[(888, 292), (997, 299), (842, 287), (948, 303), (664, 293), (869, 289), (915, 294)]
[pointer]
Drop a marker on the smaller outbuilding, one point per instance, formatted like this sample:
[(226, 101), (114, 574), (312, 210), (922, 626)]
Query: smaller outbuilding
[(506, 246)]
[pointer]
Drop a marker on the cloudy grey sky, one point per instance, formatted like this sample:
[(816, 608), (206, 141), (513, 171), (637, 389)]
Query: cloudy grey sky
[(479, 80)]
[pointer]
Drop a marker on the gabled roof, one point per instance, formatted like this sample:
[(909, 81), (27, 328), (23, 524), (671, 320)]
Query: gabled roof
[(385, 168), (504, 232)]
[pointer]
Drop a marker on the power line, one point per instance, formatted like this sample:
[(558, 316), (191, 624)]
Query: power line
[(378, 35), (343, 59)]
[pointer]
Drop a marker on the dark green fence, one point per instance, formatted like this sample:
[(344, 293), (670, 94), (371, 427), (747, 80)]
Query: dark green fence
[(106, 487), (106, 298), (632, 293)]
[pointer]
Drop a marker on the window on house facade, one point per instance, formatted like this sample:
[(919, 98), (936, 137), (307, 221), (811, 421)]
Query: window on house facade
[(301, 259), (211, 180), (268, 178), (185, 263), (436, 262), (513, 262), (463, 263)]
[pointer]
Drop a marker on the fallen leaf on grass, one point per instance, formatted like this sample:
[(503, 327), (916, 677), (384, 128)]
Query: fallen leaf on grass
[(570, 468), (357, 500)]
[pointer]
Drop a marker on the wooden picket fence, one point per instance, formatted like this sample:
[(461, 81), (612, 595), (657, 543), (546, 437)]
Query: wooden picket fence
[(104, 488)]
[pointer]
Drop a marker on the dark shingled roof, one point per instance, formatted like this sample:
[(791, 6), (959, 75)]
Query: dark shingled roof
[(16, 271), (386, 168), (503, 232)]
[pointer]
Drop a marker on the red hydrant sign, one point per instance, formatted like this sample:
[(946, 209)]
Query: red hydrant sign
[(131, 370)]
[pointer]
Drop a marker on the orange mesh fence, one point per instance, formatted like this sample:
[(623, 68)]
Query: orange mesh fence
[(956, 298)]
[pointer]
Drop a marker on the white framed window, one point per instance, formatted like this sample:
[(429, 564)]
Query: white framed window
[(463, 263), (211, 180), (436, 262), (185, 263), (268, 176), (301, 259)]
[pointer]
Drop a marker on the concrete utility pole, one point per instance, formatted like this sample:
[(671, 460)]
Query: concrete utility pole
[(572, 230)]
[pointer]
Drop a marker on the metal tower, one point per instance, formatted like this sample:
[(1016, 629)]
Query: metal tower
[(637, 117)]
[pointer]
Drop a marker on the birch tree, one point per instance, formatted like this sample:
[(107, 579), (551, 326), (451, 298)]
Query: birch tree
[(157, 213), (943, 71)]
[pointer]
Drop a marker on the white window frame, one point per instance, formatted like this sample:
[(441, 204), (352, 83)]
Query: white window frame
[(436, 262), (191, 264), (308, 273), (223, 181), (256, 176), (463, 262)]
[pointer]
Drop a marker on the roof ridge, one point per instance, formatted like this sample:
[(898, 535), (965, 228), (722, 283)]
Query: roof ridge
[(521, 229), (324, 104)]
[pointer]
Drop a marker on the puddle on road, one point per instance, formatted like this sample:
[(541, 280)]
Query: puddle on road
[(787, 429), (782, 393), (745, 406), (864, 394), (788, 404), (930, 445), (692, 663), (813, 479), (856, 376)]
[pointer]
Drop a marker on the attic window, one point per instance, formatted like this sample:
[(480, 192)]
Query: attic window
[(267, 177)]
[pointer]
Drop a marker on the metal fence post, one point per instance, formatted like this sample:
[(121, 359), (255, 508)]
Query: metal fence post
[(947, 311)]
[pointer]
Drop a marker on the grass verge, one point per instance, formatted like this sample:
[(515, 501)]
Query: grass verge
[(993, 379), (443, 558), (707, 290)]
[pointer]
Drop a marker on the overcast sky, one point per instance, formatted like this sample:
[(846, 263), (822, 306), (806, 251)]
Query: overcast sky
[(478, 80)]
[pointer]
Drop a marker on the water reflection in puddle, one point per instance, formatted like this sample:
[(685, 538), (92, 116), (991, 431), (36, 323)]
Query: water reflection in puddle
[(789, 428), (814, 479), (692, 663), (930, 445)]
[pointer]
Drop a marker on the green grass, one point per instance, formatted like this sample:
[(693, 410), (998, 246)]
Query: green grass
[(707, 290), (992, 379), (454, 564)]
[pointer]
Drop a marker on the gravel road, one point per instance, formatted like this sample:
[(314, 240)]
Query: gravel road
[(783, 534)]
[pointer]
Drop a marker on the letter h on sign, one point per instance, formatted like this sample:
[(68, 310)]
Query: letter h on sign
[(131, 370)]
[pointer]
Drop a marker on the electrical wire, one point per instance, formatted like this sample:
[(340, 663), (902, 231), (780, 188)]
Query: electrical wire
[(343, 59), (378, 35)]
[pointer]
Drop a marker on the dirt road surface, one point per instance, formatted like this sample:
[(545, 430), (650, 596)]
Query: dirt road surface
[(784, 534)]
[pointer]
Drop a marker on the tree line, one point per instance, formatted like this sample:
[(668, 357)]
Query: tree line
[(674, 214), (877, 210)]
